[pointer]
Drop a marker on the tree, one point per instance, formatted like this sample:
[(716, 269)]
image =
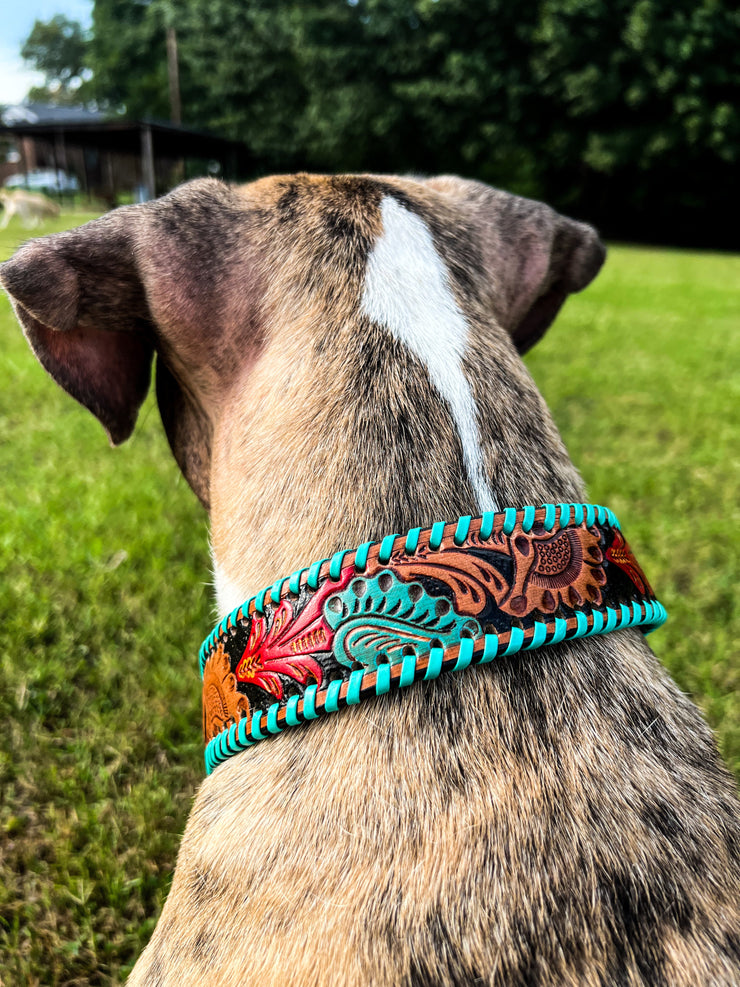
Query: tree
[(58, 48), (638, 116), (251, 89), (432, 85), (622, 111), (128, 57)]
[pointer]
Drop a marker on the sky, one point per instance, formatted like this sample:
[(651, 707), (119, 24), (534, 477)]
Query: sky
[(18, 18)]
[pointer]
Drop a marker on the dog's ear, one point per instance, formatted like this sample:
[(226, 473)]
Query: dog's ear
[(188, 431), (83, 310), (174, 276), (535, 257)]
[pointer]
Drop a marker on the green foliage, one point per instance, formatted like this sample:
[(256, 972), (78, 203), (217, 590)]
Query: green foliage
[(245, 59), (432, 86), (622, 111), (56, 95), (58, 48), (128, 58), (639, 109), (665, 85), (104, 596)]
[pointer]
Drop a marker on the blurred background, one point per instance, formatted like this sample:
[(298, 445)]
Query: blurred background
[(621, 112)]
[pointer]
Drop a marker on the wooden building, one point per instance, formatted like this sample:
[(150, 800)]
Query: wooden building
[(115, 159)]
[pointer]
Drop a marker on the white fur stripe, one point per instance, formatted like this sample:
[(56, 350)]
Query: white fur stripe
[(407, 290)]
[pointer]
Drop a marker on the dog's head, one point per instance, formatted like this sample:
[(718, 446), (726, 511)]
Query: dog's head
[(210, 275)]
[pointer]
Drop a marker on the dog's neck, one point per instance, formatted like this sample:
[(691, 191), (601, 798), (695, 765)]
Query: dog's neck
[(385, 396), (298, 474)]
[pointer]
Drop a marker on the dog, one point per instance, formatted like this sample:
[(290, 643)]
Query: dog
[(337, 358), (29, 207)]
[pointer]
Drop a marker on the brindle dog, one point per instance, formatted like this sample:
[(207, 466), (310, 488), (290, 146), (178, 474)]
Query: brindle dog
[(559, 817)]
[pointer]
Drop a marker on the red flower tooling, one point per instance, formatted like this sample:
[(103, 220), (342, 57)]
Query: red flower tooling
[(285, 648)]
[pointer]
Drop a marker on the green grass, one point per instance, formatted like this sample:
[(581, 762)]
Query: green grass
[(104, 601), (104, 597), (642, 374)]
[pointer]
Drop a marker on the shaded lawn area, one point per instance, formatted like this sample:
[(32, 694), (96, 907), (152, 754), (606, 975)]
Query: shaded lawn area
[(104, 591)]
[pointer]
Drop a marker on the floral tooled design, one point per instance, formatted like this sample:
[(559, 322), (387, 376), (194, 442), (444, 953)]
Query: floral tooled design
[(222, 703), (379, 620), (550, 569), (263, 661), (553, 569), (286, 645), (621, 555), (472, 580)]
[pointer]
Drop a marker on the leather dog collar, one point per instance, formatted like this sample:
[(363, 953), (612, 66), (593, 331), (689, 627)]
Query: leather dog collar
[(412, 606)]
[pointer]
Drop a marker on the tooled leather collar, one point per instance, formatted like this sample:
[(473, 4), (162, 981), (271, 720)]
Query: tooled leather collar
[(412, 606)]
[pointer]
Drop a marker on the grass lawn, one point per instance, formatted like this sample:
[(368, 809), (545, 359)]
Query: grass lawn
[(104, 592)]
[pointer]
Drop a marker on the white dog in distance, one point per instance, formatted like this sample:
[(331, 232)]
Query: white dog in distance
[(29, 207)]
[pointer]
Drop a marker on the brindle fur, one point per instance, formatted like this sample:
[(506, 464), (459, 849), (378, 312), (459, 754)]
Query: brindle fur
[(559, 818)]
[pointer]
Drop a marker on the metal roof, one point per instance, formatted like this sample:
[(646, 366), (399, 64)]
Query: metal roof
[(87, 129), (45, 113)]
